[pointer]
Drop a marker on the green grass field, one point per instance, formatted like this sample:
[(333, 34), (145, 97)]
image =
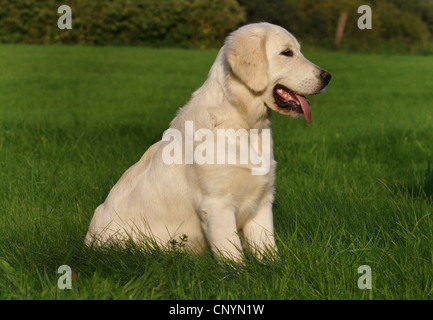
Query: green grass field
[(353, 188)]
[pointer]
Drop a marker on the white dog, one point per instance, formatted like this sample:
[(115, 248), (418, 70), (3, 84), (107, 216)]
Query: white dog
[(220, 203)]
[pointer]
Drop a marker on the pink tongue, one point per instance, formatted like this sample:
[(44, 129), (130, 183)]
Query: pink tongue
[(306, 108)]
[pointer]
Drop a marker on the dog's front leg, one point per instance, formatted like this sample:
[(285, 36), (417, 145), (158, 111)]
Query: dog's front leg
[(219, 225), (259, 231)]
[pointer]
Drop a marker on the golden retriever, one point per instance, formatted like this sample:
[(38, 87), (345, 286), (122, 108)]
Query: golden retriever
[(186, 188)]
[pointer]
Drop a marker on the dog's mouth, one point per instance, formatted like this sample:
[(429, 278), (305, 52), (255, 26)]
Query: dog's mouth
[(288, 102)]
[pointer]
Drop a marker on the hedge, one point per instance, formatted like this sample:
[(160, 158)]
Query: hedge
[(205, 23), (123, 22)]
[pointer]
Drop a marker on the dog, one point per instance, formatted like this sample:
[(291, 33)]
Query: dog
[(220, 204)]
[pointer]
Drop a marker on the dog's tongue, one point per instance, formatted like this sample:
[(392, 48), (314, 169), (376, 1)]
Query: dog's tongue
[(306, 108)]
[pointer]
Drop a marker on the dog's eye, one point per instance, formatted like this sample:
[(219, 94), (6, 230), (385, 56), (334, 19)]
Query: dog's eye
[(287, 53)]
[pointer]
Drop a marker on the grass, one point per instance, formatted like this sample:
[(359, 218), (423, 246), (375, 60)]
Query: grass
[(353, 188)]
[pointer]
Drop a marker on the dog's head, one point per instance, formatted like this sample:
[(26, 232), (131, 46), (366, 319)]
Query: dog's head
[(267, 59)]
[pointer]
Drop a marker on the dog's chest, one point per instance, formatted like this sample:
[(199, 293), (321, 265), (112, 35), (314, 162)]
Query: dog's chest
[(247, 190)]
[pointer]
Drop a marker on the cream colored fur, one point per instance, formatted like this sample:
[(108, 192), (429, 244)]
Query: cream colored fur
[(212, 204)]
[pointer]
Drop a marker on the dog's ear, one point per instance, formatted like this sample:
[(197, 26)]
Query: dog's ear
[(246, 55)]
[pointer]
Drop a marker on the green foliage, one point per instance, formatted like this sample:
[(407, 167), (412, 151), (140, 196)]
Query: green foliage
[(398, 25), (171, 22), (405, 25), (401, 25)]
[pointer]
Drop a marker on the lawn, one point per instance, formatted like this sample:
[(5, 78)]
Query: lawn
[(353, 188)]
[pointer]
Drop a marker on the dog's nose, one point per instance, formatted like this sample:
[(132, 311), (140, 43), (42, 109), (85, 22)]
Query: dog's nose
[(325, 76)]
